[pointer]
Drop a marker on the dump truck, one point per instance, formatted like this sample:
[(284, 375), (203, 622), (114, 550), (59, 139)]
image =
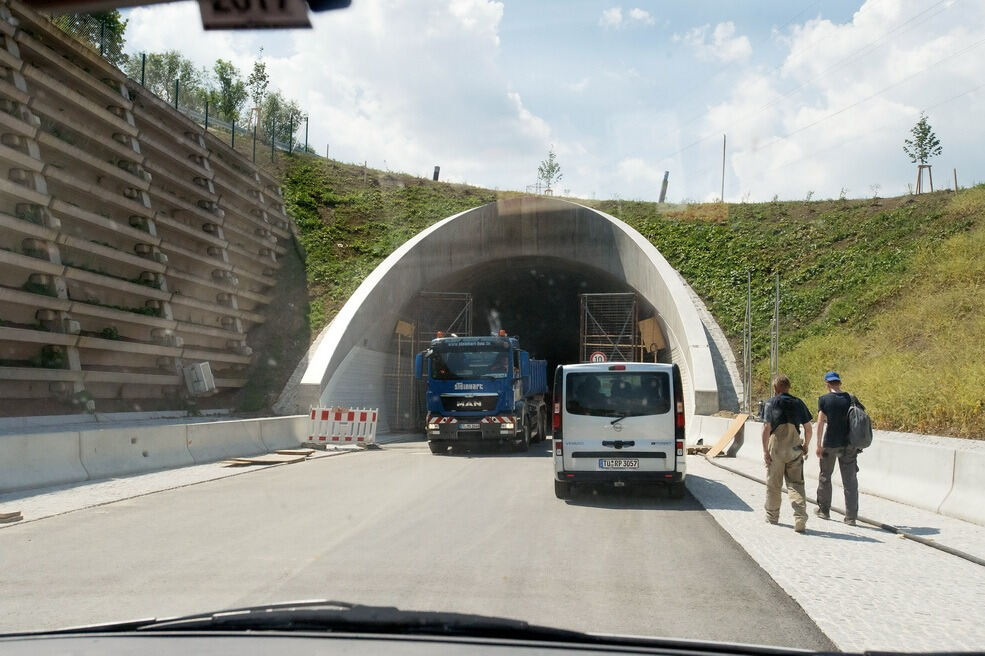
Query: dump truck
[(482, 391)]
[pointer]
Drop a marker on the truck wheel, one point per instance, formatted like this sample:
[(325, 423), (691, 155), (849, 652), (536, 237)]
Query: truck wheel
[(562, 489), (677, 490), (438, 448), (524, 444)]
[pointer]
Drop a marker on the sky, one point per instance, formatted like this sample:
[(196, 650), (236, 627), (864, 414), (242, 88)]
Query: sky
[(814, 97)]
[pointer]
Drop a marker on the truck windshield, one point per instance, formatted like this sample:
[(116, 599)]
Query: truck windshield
[(604, 394), (452, 363)]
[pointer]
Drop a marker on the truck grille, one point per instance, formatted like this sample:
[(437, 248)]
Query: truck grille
[(484, 403)]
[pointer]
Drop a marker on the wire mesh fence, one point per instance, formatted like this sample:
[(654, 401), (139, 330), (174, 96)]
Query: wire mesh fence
[(170, 82)]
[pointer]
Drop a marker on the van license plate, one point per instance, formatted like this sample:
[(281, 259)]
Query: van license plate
[(468, 427), (619, 463)]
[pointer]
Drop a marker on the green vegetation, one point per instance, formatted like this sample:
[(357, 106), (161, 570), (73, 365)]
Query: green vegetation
[(888, 293), (350, 220)]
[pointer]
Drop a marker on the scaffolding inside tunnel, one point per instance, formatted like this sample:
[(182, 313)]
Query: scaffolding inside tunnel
[(609, 329), (433, 312)]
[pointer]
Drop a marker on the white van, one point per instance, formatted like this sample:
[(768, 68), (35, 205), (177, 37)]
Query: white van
[(620, 423)]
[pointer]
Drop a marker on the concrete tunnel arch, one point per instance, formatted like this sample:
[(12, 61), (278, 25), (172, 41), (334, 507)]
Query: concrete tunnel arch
[(348, 363)]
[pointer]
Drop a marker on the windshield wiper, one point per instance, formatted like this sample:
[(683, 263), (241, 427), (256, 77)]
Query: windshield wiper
[(618, 419), (343, 617)]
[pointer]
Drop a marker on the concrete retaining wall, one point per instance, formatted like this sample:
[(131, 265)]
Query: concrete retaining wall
[(35, 460), (939, 474)]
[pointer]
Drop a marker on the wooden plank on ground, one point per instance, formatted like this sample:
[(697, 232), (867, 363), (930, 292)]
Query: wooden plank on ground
[(8, 517), (727, 436), (269, 459), (295, 452)]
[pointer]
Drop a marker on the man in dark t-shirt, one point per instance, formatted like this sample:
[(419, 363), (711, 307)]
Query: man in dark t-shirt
[(784, 452), (833, 446)]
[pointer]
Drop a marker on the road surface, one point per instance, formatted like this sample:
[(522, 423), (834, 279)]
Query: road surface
[(478, 533)]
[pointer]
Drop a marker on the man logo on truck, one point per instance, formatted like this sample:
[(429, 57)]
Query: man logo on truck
[(474, 403)]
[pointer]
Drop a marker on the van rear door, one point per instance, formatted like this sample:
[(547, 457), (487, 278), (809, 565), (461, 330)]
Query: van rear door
[(619, 418)]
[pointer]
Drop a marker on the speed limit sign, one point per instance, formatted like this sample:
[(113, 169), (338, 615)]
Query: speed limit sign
[(597, 356)]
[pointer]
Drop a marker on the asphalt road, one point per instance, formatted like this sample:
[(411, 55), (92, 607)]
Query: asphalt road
[(476, 533)]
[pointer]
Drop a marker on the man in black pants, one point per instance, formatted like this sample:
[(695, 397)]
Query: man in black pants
[(833, 445)]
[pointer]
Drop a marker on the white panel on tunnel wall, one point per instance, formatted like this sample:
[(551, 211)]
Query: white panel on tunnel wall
[(359, 383)]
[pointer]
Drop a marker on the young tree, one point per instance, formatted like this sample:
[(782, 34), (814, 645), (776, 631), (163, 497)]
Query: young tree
[(281, 117), (258, 81), (230, 92), (549, 170), (922, 147), (103, 30), (161, 71)]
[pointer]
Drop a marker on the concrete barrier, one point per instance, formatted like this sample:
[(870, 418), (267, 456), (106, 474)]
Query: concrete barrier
[(284, 432), (218, 440), (39, 459), (918, 475), (111, 452), (967, 498)]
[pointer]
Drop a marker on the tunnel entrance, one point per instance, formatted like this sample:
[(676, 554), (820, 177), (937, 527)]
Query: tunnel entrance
[(536, 299)]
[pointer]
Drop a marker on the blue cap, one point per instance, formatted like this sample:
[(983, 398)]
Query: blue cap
[(832, 377)]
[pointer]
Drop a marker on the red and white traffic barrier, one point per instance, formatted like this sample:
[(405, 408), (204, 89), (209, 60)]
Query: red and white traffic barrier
[(343, 426)]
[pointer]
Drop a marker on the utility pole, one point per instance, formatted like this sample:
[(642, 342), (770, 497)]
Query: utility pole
[(722, 197), (747, 349), (663, 187), (775, 334)]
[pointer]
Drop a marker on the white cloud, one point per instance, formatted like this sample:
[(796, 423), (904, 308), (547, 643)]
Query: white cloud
[(722, 45), (835, 112), (614, 18), (578, 86), (641, 16)]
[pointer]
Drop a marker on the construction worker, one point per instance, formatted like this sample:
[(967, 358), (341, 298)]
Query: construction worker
[(784, 452)]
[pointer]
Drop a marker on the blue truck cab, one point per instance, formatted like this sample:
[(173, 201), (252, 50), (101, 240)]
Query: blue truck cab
[(482, 390)]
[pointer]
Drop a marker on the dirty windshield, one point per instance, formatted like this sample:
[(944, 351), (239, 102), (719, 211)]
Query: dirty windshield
[(631, 317)]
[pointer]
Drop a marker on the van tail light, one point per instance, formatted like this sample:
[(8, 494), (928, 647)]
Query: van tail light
[(556, 420), (558, 449), (680, 447), (678, 405)]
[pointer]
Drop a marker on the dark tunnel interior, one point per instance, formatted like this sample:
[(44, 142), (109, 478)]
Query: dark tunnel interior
[(535, 299)]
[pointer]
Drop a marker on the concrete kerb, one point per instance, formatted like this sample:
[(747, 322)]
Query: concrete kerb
[(40, 459), (211, 441), (110, 452)]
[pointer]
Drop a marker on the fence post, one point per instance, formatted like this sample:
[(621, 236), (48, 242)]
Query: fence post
[(305, 134), (206, 115), (255, 141), (233, 145), (176, 93), (273, 136), (290, 135), (143, 67), (102, 38)]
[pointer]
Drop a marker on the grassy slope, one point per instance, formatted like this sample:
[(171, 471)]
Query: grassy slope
[(888, 292)]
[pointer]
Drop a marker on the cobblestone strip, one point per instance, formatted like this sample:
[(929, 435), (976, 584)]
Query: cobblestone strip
[(865, 588)]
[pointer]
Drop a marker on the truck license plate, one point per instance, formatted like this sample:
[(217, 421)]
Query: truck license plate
[(468, 427), (619, 463)]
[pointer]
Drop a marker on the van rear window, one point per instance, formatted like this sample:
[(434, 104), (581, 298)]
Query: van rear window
[(618, 394)]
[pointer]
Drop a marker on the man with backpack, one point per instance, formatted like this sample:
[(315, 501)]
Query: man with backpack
[(841, 434), (784, 453)]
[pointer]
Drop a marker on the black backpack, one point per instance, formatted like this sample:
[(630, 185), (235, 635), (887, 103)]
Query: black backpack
[(859, 425)]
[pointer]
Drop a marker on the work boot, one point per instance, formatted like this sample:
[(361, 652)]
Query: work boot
[(823, 514), (850, 521), (774, 522), (800, 528)]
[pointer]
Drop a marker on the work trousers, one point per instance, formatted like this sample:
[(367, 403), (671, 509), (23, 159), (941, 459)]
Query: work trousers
[(847, 458), (787, 453)]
